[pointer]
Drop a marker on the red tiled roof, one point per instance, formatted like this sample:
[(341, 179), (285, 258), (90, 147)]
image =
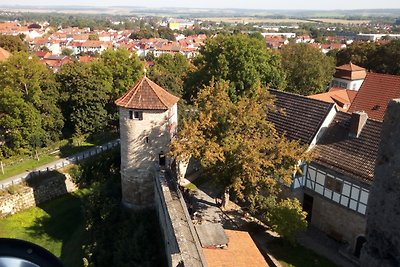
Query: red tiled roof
[(350, 67), (350, 72), (375, 93), (341, 97), (146, 94), (240, 252)]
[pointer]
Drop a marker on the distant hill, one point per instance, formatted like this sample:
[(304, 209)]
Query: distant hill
[(208, 12)]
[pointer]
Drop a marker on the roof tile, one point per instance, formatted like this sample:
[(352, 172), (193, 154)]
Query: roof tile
[(351, 156), (375, 93), (147, 95), (301, 117)]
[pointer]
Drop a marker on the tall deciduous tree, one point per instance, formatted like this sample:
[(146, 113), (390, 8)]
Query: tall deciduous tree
[(235, 142), (12, 43), (169, 72), (359, 53), (126, 69), (308, 70), (20, 123), (85, 91), (243, 61), (31, 81)]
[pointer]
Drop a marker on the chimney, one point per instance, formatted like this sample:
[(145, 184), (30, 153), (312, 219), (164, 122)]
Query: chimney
[(357, 122)]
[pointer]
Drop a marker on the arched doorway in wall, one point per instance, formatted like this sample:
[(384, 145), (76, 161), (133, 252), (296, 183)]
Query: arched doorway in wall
[(359, 243)]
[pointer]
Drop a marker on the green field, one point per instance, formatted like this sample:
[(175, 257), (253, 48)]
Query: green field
[(56, 225)]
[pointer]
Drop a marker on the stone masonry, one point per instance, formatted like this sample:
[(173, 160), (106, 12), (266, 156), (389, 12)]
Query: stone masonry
[(24, 196), (383, 216)]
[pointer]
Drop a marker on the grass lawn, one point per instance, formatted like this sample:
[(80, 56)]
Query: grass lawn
[(25, 165), (66, 149), (298, 256), (56, 225)]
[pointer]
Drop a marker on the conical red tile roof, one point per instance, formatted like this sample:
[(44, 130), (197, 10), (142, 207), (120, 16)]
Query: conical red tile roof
[(146, 94)]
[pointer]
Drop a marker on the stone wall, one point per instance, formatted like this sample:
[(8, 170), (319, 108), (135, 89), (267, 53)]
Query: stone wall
[(25, 196), (337, 221), (383, 216), (182, 245)]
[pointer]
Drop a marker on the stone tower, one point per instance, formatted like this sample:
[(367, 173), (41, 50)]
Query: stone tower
[(383, 216), (148, 120)]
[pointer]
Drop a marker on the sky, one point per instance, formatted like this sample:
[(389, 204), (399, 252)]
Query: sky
[(247, 4)]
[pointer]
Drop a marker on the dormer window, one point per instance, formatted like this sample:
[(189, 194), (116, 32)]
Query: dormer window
[(135, 115)]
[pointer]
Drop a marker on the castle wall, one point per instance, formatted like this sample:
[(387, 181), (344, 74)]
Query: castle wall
[(23, 196), (182, 244)]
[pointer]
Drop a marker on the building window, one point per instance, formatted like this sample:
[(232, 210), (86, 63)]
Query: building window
[(146, 140), (333, 184), (135, 115)]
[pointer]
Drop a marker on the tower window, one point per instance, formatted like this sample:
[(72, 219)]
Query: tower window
[(146, 140), (135, 115)]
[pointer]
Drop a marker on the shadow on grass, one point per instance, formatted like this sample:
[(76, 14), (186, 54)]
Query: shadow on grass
[(65, 224), (92, 141), (298, 256)]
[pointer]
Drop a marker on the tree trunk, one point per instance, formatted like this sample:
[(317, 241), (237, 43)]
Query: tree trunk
[(225, 199), (1, 167)]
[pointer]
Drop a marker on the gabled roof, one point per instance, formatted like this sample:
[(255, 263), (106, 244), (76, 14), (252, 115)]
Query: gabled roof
[(354, 157), (341, 97), (147, 95), (375, 93), (301, 117)]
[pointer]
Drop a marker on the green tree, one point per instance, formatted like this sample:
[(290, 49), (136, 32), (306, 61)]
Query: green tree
[(359, 53), (93, 37), (236, 144), (126, 69), (386, 58), (286, 217), (243, 61), (12, 43), (166, 33), (85, 91), (36, 83), (308, 70), (67, 51), (169, 72), (20, 123)]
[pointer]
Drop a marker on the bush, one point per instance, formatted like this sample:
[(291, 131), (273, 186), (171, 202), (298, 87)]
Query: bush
[(287, 218)]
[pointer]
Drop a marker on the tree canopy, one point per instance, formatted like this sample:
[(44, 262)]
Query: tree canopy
[(12, 43), (29, 86), (243, 61), (169, 71), (236, 144), (381, 58), (84, 93), (308, 70)]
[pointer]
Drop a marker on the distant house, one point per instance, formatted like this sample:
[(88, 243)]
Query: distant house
[(339, 96), (349, 76), (375, 93)]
